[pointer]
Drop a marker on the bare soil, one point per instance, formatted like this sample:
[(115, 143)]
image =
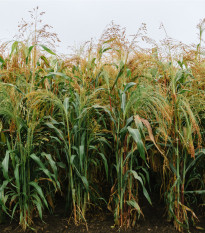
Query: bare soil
[(102, 222)]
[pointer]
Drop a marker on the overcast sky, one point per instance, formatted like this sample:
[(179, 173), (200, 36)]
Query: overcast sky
[(77, 21)]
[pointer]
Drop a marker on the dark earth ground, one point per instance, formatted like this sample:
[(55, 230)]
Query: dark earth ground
[(102, 222)]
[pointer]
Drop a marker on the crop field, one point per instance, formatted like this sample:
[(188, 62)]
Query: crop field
[(109, 129)]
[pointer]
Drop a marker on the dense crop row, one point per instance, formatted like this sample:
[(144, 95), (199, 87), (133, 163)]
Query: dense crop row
[(108, 117)]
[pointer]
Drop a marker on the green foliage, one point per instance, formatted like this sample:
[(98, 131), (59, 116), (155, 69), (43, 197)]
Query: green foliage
[(105, 118)]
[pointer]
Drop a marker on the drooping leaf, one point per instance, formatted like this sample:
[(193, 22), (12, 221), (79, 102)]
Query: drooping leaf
[(58, 131), (47, 49), (128, 86), (39, 190), (137, 138), (5, 165), (137, 177), (135, 205), (14, 47)]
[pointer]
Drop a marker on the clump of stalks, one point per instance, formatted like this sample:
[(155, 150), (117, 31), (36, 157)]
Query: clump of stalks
[(113, 112)]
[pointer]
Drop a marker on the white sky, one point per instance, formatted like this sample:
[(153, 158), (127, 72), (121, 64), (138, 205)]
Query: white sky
[(77, 21)]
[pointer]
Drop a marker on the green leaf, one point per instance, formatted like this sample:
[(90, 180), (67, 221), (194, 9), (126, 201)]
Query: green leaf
[(5, 165), (137, 138), (2, 60), (41, 165), (81, 155), (14, 47), (56, 139), (105, 163), (45, 60), (59, 132), (108, 41), (39, 191), (29, 52), (123, 101), (66, 104), (61, 165), (38, 204), (52, 164), (39, 208), (3, 186), (196, 191), (11, 85), (118, 75), (16, 175), (72, 159), (83, 178), (137, 177), (129, 85), (129, 73), (85, 182), (198, 155), (51, 74), (106, 49), (47, 49), (14, 209), (134, 204)]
